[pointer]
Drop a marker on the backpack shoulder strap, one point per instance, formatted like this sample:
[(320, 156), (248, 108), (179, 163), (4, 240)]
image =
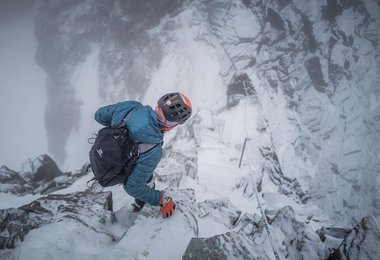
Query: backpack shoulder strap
[(142, 147)]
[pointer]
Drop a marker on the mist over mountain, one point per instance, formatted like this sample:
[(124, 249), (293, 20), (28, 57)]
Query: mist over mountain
[(295, 82)]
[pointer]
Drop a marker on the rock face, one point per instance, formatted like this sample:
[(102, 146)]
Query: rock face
[(312, 67), (292, 240), (307, 52), (303, 50), (40, 176), (240, 86), (83, 207), (295, 240), (226, 246), (361, 243)]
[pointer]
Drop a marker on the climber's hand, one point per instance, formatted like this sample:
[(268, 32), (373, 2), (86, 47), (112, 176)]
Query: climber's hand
[(167, 206)]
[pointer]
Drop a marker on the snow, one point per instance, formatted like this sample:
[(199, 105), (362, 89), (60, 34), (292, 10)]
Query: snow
[(194, 67), (70, 241), (9, 200)]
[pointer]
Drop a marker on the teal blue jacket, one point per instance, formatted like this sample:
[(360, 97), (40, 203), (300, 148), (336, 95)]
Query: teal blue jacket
[(142, 124)]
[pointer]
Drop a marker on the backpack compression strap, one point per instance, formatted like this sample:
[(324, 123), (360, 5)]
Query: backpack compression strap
[(144, 147)]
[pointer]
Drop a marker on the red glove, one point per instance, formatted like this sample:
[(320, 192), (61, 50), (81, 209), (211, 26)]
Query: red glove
[(167, 206)]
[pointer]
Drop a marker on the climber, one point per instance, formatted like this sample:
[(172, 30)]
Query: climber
[(146, 127)]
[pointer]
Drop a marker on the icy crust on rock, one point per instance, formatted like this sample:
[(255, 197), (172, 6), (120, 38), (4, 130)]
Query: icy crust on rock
[(306, 97), (327, 73), (249, 240), (69, 222), (361, 243), (91, 209), (38, 176), (292, 240)]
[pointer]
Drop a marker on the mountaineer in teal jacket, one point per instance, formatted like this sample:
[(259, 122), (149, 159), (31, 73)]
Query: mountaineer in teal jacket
[(147, 126)]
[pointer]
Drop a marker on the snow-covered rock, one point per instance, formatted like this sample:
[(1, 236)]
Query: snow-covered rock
[(296, 81), (362, 242), (90, 209), (291, 239), (38, 176)]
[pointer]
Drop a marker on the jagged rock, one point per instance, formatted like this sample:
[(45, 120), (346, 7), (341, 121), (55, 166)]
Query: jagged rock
[(226, 246), (292, 240), (177, 162), (240, 86), (85, 207), (175, 166), (220, 211), (299, 241), (313, 66), (40, 176), (271, 168), (361, 243)]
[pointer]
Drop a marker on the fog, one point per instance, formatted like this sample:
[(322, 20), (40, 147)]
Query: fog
[(23, 94)]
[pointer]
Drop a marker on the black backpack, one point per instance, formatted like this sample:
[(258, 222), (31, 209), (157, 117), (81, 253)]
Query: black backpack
[(112, 156)]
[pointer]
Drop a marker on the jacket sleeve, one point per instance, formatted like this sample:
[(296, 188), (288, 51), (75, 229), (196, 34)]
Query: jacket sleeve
[(112, 115), (143, 169), (104, 115)]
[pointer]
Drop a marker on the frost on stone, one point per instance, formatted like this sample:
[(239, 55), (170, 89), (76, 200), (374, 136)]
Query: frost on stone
[(292, 239), (362, 242), (219, 211), (179, 158), (39, 176), (91, 209)]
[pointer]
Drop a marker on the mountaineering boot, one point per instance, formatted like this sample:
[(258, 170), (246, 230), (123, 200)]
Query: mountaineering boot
[(138, 205)]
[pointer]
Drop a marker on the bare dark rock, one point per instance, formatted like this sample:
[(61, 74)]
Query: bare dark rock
[(313, 66), (240, 86)]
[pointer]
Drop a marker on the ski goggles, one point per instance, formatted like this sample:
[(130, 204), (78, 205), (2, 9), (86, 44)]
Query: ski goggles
[(165, 124)]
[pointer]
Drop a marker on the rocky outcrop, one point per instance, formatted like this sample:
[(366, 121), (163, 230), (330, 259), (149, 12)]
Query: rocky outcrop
[(271, 169), (240, 86), (362, 242), (82, 207), (227, 246), (38, 176), (326, 69), (292, 240)]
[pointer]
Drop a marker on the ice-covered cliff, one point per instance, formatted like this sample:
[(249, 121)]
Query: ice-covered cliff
[(294, 82)]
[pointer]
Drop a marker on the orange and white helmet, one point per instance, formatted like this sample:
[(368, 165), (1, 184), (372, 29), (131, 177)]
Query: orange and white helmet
[(176, 107)]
